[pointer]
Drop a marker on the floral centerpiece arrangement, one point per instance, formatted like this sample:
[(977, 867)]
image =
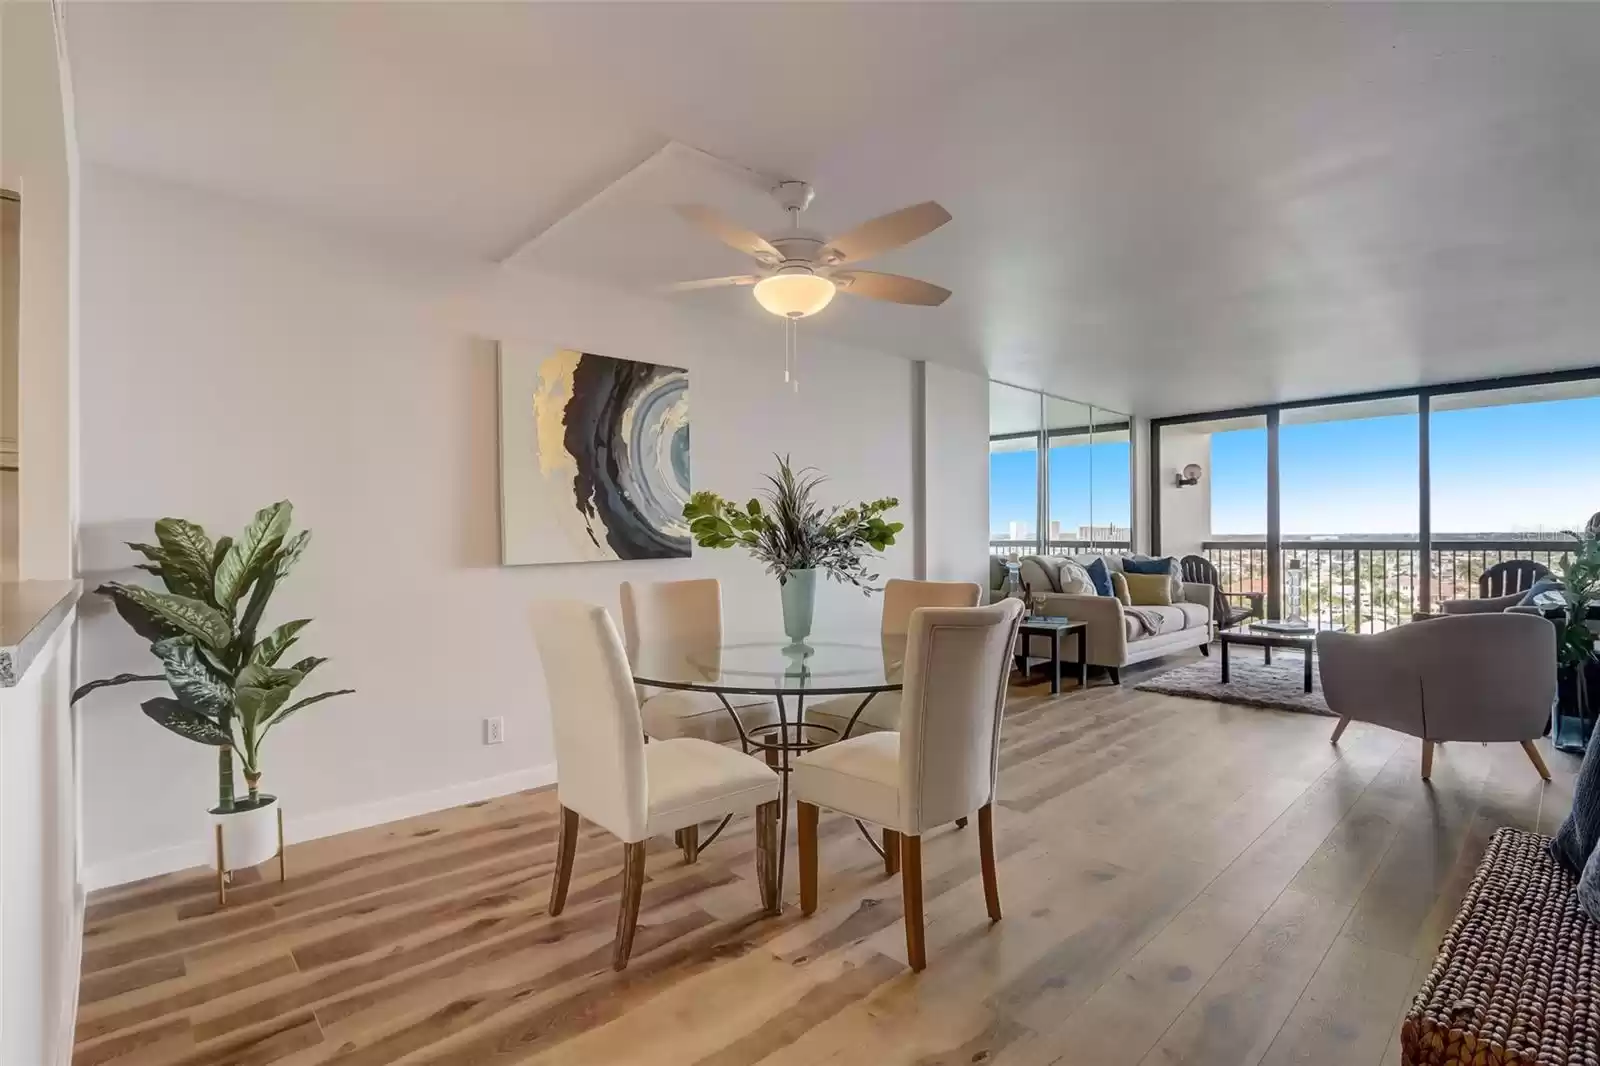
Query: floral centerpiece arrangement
[(796, 538)]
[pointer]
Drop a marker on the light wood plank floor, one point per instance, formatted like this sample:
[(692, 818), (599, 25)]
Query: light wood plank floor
[(1182, 882)]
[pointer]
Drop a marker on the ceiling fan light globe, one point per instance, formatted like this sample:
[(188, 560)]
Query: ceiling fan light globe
[(794, 295)]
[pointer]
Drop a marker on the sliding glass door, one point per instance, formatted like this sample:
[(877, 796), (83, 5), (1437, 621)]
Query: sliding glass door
[(1381, 506), (1213, 497), (1347, 489), (1513, 473)]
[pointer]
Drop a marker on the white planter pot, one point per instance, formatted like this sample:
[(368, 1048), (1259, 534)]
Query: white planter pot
[(248, 837)]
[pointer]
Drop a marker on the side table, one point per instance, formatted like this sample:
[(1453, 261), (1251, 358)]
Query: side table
[(1053, 629)]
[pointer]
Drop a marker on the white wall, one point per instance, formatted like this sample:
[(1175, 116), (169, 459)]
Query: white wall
[(951, 452), (233, 357), (1185, 512), (41, 902), (1139, 478), (38, 161), (10, 260)]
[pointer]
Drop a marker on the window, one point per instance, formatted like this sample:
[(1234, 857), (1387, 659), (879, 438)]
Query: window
[(1071, 462), (1074, 497), (1511, 474), (1014, 416), (1330, 494)]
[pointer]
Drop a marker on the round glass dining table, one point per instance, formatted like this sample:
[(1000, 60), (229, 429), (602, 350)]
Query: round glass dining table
[(791, 673)]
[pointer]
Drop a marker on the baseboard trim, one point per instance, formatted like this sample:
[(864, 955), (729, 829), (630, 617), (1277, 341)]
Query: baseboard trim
[(325, 823)]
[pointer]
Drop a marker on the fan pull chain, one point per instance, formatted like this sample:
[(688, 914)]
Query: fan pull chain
[(791, 353)]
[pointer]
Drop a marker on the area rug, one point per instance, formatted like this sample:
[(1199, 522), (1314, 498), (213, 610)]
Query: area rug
[(1280, 687)]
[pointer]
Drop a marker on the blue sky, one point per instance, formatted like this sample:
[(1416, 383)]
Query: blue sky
[(1085, 481), (1495, 469)]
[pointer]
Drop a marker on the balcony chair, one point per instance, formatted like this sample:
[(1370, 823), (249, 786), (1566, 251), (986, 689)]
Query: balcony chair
[(609, 775), (1502, 585), (1484, 677), (942, 765), (1200, 570)]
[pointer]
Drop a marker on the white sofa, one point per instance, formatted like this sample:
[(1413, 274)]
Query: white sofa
[(1115, 637)]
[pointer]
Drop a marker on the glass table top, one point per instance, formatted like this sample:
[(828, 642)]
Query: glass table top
[(1305, 630), (852, 663)]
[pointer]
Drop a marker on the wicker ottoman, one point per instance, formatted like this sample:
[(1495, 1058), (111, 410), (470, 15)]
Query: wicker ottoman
[(1514, 980)]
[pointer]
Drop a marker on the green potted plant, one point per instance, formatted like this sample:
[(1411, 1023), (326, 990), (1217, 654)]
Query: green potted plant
[(1575, 642), (228, 690), (796, 538)]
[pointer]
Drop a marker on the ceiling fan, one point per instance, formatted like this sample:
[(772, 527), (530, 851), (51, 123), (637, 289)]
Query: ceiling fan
[(801, 271)]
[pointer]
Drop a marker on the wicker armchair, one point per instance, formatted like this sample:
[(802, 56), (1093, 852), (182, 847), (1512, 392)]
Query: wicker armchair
[(1200, 570)]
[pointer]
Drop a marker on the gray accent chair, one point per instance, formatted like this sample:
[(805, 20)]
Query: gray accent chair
[(1484, 677)]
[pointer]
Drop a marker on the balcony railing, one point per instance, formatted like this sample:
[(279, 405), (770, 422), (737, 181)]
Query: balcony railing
[(1059, 547), (1371, 585)]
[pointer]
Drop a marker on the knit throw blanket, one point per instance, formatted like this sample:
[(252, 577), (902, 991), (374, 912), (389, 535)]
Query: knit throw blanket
[(1150, 620), (1574, 843)]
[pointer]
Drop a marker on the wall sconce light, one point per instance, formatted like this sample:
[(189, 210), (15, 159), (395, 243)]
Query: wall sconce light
[(1190, 475)]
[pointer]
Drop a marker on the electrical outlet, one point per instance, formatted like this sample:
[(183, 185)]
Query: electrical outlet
[(494, 730)]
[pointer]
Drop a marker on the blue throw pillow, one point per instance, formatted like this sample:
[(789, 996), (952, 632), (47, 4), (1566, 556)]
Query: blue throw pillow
[(1101, 577), (1131, 565), (1540, 587)]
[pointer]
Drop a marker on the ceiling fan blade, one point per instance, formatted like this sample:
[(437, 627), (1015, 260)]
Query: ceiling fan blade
[(892, 287), (713, 283), (729, 233), (886, 232)]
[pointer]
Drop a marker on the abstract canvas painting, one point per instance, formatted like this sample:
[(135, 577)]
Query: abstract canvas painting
[(594, 457)]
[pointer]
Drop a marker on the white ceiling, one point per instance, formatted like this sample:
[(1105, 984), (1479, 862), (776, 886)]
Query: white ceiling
[(1158, 207)]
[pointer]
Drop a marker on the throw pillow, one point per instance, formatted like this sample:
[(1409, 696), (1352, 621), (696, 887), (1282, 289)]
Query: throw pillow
[(1149, 590), (1100, 576), (1144, 564), (1119, 586), (1075, 580), (1039, 574)]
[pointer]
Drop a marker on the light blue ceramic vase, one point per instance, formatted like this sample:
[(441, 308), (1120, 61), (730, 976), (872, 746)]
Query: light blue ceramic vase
[(799, 592)]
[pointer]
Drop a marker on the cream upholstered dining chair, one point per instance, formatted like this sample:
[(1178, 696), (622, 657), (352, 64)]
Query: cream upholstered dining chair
[(900, 598), (606, 773), (941, 766), (687, 612)]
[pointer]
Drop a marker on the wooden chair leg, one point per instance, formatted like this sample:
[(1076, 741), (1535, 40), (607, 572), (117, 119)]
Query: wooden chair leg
[(891, 852), (628, 912), (1338, 730), (1427, 759), (911, 893), (991, 881), (1534, 757), (689, 841), (566, 849), (806, 829)]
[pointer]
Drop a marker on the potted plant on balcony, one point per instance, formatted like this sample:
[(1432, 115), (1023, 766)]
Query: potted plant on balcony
[(228, 691), (796, 538), (1575, 642)]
